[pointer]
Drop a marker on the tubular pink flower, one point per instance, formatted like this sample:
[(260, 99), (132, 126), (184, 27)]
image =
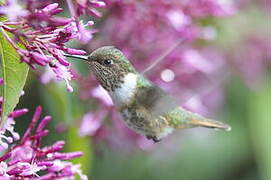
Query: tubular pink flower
[(91, 123), (17, 113), (50, 8), (156, 25), (79, 7), (57, 146), (63, 73), (13, 10), (43, 123), (74, 51), (27, 158), (43, 32), (65, 156)]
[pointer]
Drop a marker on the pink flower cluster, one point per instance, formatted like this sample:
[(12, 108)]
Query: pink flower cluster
[(43, 34), (159, 24), (88, 7), (25, 158), (253, 55)]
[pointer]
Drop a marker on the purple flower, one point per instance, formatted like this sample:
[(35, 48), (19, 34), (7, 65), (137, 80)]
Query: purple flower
[(202, 8), (79, 7), (253, 55), (63, 73), (99, 93), (91, 123), (178, 19), (58, 72), (84, 35), (13, 10), (26, 159), (43, 33), (156, 25), (197, 62)]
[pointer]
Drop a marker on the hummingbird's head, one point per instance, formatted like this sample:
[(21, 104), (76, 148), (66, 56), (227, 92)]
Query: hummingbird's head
[(110, 66)]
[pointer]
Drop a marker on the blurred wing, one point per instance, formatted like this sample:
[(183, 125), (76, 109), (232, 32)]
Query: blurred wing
[(163, 56), (157, 101)]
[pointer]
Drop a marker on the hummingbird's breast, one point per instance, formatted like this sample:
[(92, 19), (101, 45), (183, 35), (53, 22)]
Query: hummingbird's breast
[(136, 98), (126, 91)]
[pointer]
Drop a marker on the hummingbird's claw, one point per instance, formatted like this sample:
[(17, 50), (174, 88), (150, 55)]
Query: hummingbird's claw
[(154, 138)]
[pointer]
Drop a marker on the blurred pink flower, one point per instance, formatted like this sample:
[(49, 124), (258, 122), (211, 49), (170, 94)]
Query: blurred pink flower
[(84, 35), (13, 10), (91, 123), (253, 55), (63, 73), (79, 7), (178, 19), (26, 159), (156, 26), (100, 93)]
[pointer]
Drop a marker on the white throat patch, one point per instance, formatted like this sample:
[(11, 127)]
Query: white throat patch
[(123, 94)]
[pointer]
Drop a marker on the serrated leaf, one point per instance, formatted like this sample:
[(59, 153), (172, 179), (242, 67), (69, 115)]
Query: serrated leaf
[(14, 74)]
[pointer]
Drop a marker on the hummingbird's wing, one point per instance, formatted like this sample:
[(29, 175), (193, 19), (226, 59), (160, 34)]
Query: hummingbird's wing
[(156, 100), (164, 55)]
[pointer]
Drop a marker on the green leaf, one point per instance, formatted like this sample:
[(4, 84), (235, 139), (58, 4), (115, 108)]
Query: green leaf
[(14, 75)]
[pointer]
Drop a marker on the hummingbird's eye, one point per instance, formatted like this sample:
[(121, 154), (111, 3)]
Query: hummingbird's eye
[(107, 62)]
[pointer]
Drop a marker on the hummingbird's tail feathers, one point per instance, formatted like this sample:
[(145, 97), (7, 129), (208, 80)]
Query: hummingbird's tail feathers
[(208, 123), (182, 118)]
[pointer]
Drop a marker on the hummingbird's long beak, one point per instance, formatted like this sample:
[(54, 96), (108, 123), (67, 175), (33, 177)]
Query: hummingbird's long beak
[(85, 58)]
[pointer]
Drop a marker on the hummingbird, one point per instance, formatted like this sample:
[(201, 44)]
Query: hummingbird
[(146, 108)]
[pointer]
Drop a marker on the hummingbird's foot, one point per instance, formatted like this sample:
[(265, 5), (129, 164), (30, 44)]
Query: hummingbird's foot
[(154, 138)]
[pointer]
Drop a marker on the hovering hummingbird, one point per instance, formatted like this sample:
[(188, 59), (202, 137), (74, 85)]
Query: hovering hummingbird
[(146, 108)]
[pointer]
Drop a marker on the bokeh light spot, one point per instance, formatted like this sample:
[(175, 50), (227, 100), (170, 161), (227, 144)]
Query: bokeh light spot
[(167, 75)]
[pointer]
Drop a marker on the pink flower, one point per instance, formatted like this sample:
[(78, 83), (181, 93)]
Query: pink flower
[(13, 10), (91, 123), (79, 7), (57, 72), (196, 61), (63, 73), (156, 26), (99, 93), (178, 19), (43, 33), (3, 171), (27, 158), (29, 169), (84, 35)]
